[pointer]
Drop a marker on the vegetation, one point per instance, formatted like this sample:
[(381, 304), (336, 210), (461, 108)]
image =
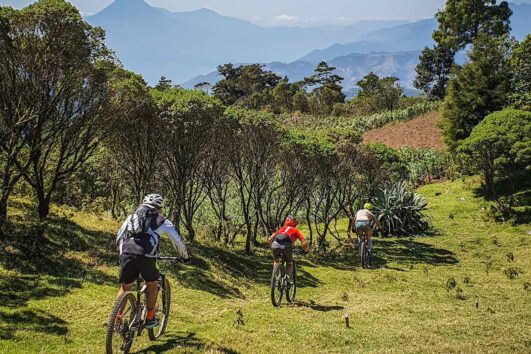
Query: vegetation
[(500, 149), (65, 291)]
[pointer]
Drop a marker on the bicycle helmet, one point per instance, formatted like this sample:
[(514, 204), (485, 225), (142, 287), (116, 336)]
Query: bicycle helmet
[(367, 206), (290, 221), (154, 199)]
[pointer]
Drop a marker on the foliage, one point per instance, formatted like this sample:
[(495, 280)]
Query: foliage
[(379, 93), (55, 74), (424, 165), (459, 24), (400, 210), (500, 148), (479, 88), (520, 68), (433, 71)]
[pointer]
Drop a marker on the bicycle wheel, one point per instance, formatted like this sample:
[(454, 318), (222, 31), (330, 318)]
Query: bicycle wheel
[(162, 310), (290, 294), (363, 252), (119, 338), (276, 284)]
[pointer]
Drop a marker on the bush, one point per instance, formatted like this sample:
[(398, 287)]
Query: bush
[(424, 165), (401, 211), (500, 148)]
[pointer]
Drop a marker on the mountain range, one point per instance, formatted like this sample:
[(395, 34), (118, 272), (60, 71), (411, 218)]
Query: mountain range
[(184, 45)]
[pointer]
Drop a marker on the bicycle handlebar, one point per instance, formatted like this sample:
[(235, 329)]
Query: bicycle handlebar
[(171, 259)]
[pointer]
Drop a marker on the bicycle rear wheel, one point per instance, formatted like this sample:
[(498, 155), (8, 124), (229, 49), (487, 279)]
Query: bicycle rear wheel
[(363, 252), (292, 291), (276, 284), (119, 338), (162, 310)]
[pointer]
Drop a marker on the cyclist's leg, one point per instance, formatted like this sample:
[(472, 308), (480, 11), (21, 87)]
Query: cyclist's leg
[(129, 272), (288, 253), (369, 239), (276, 256), (150, 273)]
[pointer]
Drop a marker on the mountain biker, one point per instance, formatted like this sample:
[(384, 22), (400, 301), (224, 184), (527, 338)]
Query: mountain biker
[(363, 221), (282, 240), (138, 240)]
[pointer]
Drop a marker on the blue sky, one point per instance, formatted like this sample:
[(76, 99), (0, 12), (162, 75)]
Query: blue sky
[(288, 12)]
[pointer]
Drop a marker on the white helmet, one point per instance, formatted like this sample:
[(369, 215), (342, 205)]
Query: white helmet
[(155, 200)]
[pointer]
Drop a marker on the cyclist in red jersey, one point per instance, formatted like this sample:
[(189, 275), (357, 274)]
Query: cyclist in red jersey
[(282, 240)]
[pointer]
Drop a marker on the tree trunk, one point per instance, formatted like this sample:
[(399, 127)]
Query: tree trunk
[(3, 209), (44, 207)]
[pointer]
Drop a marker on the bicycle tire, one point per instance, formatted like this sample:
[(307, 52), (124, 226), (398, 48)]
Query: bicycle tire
[(363, 254), (127, 336), (165, 296), (290, 294), (276, 284)]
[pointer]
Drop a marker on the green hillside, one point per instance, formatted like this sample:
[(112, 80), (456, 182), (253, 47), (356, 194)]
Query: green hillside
[(56, 294)]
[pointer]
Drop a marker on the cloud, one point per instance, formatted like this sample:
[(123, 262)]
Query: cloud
[(286, 18)]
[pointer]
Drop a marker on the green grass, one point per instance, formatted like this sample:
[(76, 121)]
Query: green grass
[(56, 304)]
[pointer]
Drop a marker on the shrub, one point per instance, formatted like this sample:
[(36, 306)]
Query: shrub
[(500, 148), (401, 211)]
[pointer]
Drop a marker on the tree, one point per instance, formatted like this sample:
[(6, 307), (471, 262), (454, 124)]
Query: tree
[(16, 114), (478, 89), (460, 23), (163, 84), (379, 93), (433, 71), (68, 92), (500, 148), (189, 119), (133, 143), (248, 86), (520, 68), (328, 91)]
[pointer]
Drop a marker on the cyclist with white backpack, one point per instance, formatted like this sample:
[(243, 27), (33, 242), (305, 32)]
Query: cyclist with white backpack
[(138, 240)]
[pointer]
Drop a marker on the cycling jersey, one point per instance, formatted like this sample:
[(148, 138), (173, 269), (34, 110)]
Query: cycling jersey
[(146, 243), (291, 232)]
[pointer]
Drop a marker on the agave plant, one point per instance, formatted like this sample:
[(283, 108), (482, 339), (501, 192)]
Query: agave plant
[(401, 211)]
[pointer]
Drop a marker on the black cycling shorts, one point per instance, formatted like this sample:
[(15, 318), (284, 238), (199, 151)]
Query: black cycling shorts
[(287, 251), (132, 265)]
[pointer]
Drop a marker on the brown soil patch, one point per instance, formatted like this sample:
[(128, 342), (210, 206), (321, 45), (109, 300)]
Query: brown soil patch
[(421, 132)]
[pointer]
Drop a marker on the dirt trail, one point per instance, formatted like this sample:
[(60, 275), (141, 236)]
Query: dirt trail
[(417, 133)]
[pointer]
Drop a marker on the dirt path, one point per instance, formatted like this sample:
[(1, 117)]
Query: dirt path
[(417, 133)]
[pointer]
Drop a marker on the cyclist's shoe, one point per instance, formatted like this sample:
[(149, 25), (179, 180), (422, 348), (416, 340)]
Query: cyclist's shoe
[(289, 282), (151, 323)]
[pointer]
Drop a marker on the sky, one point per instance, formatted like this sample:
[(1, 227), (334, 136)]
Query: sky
[(288, 12)]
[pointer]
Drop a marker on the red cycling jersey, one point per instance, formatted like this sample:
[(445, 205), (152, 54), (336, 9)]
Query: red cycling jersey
[(290, 231)]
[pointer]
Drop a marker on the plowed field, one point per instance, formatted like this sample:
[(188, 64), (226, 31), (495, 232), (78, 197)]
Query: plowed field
[(417, 133)]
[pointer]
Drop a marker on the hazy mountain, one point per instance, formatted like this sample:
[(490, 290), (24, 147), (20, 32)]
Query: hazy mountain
[(155, 42), (351, 67), (410, 36)]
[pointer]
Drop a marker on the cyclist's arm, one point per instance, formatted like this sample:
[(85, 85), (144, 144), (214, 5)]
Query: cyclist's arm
[(304, 243), (271, 238), (123, 229), (375, 219), (168, 229)]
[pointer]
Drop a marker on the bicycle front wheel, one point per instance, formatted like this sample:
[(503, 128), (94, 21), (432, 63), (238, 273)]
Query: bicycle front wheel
[(276, 285), (119, 338), (290, 294), (162, 310)]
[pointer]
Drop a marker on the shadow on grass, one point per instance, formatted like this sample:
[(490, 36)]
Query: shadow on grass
[(31, 321), (187, 341), (316, 307), (408, 252)]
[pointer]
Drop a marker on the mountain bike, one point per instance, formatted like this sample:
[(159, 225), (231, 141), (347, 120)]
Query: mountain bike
[(363, 249), (279, 281), (129, 312)]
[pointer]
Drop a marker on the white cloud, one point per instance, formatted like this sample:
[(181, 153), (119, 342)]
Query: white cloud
[(286, 18)]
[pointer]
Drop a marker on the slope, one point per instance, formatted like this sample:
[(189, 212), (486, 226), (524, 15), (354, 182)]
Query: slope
[(403, 305), (421, 132)]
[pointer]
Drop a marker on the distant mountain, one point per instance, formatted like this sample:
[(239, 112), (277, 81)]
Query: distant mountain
[(156, 42), (410, 36), (351, 67)]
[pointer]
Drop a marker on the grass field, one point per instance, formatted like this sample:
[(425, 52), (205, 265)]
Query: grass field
[(55, 294)]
